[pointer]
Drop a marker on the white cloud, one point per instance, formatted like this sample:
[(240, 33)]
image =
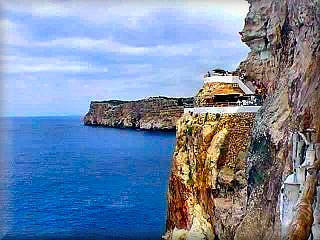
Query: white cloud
[(111, 46), (227, 8), (93, 11), (66, 67), (106, 45), (21, 64), (130, 69), (7, 24), (129, 13), (13, 33), (31, 81)]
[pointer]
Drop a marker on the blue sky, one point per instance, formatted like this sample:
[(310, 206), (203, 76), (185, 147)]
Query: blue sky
[(57, 56)]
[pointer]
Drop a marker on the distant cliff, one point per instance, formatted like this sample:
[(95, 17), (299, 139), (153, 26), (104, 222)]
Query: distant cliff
[(154, 113)]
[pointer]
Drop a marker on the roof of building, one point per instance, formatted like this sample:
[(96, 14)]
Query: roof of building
[(228, 79), (211, 89)]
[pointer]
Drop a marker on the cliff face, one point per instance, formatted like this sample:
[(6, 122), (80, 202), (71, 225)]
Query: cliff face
[(156, 113), (241, 201), (284, 37), (207, 189)]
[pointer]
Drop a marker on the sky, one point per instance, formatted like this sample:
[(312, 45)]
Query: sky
[(57, 56)]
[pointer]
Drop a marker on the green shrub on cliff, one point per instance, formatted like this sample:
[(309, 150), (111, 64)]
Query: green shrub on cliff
[(256, 176), (206, 117), (189, 130), (190, 180)]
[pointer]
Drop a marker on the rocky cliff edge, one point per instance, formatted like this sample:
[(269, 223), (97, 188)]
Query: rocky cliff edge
[(239, 199)]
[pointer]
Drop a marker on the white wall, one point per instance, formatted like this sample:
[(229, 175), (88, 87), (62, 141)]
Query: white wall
[(221, 110)]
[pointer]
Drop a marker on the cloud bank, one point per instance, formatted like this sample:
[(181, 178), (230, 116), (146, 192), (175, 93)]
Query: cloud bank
[(59, 55)]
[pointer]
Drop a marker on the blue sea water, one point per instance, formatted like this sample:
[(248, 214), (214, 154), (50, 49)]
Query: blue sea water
[(64, 180)]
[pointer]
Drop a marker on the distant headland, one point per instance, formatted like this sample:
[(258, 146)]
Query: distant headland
[(153, 113)]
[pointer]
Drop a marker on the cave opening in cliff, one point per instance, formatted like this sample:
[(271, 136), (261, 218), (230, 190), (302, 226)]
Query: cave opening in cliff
[(226, 98)]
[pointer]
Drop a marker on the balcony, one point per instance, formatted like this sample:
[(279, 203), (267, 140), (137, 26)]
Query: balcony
[(222, 110)]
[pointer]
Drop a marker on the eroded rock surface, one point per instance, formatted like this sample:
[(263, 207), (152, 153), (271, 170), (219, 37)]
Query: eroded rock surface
[(284, 37), (208, 184), (284, 66), (155, 113)]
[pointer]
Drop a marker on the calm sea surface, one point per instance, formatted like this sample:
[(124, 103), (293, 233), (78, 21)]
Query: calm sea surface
[(64, 180)]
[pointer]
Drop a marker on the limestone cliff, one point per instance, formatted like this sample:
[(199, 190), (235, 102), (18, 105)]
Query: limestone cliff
[(154, 113), (284, 37), (207, 190), (238, 197)]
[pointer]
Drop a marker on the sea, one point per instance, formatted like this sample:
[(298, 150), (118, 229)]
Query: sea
[(63, 180)]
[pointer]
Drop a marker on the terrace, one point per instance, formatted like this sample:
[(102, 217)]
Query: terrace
[(224, 92)]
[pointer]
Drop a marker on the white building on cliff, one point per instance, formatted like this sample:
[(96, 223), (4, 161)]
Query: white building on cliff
[(225, 92)]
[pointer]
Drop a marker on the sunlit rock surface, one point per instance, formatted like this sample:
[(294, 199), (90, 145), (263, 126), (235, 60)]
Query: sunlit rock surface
[(208, 199), (208, 183)]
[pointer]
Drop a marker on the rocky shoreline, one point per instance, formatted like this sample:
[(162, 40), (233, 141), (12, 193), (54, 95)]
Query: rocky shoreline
[(154, 113)]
